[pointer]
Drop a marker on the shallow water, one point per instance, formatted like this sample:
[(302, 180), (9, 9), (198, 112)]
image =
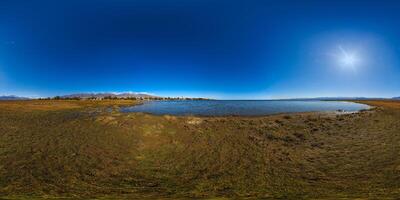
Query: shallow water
[(241, 108)]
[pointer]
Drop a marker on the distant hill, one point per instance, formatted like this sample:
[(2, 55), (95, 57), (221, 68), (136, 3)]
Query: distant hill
[(333, 98), (12, 97), (106, 94), (398, 98)]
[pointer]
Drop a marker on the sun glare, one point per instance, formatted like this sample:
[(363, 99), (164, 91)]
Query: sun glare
[(347, 59)]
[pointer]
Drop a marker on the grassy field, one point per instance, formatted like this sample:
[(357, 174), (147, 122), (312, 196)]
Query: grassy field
[(83, 149)]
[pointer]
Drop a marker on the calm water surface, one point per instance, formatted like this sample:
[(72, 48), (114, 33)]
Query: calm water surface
[(246, 108)]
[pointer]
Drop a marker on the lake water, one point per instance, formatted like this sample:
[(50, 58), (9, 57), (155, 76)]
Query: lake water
[(242, 107)]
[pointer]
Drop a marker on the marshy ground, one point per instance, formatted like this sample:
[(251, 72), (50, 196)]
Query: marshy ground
[(83, 149)]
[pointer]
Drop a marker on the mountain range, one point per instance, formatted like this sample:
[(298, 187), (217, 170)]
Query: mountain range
[(146, 95), (109, 94), (13, 97)]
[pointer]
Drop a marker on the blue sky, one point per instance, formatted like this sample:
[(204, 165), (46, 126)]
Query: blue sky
[(219, 49)]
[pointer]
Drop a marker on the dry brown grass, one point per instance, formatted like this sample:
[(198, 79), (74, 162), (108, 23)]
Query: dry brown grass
[(64, 149), (383, 103), (52, 105)]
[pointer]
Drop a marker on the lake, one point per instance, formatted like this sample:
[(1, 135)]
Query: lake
[(240, 107)]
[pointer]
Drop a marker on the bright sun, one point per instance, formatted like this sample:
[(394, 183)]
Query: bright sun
[(347, 59)]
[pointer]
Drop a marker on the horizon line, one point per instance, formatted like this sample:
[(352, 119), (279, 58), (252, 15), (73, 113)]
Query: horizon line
[(182, 96)]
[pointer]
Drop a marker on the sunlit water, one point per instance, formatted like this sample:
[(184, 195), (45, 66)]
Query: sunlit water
[(244, 108)]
